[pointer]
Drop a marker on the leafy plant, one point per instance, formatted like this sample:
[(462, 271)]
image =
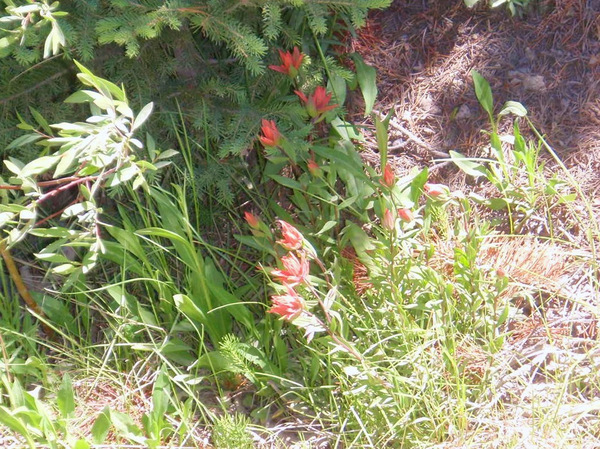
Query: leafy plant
[(521, 199), (67, 183)]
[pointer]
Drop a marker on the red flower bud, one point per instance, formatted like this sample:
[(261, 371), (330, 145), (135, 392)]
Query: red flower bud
[(436, 190), (388, 221), (389, 177), (252, 220), (318, 102), (271, 137), (406, 215), (294, 272), (292, 238), (290, 62), (289, 306)]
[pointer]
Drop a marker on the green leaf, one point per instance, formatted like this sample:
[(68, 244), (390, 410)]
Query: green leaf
[(367, 81), (381, 132), (468, 166), (337, 85), (188, 308), (81, 444), (39, 165), (52, 257), (327, 226), (64, 397), (64, 269), (50, 232), (346, 130), (513, 107), (126, 427), (142, 116), (15, 424), (471, 3), (24, 140), (287, 182), (483, 92), (67, 161), (6, 46), (41, 120), (101, 426)]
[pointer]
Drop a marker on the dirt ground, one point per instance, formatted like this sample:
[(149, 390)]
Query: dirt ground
[(549, 60)]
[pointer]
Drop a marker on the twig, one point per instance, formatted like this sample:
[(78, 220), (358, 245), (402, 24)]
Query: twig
[(413, 137), (23, 291)]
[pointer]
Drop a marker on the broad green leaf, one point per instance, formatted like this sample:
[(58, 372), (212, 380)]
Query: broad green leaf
[(67, 161), (327, 226), (287, 182), (50, 232), (40, 120), (367, 81), (337, 85), (24, 140), (483, 92), (471, 3), (167, 154), (82, 96), (39, 165), (81, 444), (15, 424), (6, 44), (189, 308), (101, 426), (381, 132), (52, 257), (125, 425), (346, 130), (64, 269), (64, 397), (513, 107), (468, 166)]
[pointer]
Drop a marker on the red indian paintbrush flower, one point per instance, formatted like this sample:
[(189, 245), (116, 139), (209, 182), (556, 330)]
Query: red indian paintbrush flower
[(271, 137), (289, 306), (436, 190), (292, 238), (406, 215), (389, 177), (295, 270), (318, 102), (314, 168), (290, 62), (252, 220), (388, 220)]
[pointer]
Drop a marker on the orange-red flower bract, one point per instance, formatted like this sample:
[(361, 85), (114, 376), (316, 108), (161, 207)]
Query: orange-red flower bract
[(252, 220), (292, 238), (435, 190), (314, 168), (271, 137), (295, 270), (318, 102), (389, 177), (388, 220), (290, 62), (406, 215), (289, 306)]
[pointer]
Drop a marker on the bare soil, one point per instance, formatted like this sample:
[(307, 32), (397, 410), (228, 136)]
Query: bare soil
[(548, 60)]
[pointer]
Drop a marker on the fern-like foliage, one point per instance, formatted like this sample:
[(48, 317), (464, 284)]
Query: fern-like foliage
[(206, 58)]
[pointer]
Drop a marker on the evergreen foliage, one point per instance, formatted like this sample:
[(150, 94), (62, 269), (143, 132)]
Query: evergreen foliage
[(207, 58)]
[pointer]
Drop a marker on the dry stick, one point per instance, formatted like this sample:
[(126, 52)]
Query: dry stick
[(23, 291), (413, 137)]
